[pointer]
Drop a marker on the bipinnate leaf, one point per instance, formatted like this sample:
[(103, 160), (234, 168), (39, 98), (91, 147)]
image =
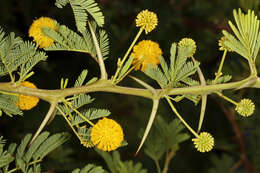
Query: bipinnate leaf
[(81, 100), (179, 70), (116, 165), (154, 146), (81, 10), (90, 168), (25, 154), (164, 67), (8, 105), (66, 39), (156, 74), (17, 55), (247, 34), (81, 78), (90, 114), (221, 164), (5, 158), (163, 137), (35, 169), (108, 159), (125, 67), (104, 43), (50, 144), (22, 146), (34, 146)]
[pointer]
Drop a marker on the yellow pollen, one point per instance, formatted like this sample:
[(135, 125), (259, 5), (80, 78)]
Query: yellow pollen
[(147, 20), (146, 52), (26, 102), (35, 31), (107, 135)]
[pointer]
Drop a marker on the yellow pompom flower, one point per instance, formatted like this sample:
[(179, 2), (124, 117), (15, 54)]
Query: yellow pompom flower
[(145, 52), (188, 44), (26, 102), (245, 107), (222, 45), (107, 135), (147, 20), (35, 31), (204, 143)]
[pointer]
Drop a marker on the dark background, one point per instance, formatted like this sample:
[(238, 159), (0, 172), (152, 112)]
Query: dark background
[(202, 20)]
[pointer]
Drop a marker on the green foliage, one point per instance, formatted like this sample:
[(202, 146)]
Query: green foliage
[(90, 114), (5, 157), (104, 43), (90, 168), (18, 55), (247, 35), (68, 40), (125, 68), (164, 137), (116, 165), (8, 106), (221, 164), (178, 72), (221, 79), (78, 101), (156, 74), (77, 115), (81, 78), (27, 156), (81, 9)]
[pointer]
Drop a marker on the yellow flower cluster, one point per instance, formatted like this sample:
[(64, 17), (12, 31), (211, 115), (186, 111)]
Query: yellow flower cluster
[(35, 31), (145, 52), (189, 44), (245, 107), (26, 102), (204, 143), (147, 20), (107, 134), (222, 45)]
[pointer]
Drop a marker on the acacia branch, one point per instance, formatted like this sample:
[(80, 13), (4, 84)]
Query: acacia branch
[(107, 86)]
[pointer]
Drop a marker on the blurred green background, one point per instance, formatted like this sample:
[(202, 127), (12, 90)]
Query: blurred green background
[(202, 20)]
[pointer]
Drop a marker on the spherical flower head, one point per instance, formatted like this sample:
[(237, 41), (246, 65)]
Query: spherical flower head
[(188, 44), (26, 102), (35, 31), (245, 107), (222, 46), (107, 135), (204, 143), (145, 52), (147, 20)]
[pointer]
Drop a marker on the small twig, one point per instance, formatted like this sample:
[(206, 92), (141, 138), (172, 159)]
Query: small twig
[(168, 159), (157, 166), (126, 55), (235, 166)]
